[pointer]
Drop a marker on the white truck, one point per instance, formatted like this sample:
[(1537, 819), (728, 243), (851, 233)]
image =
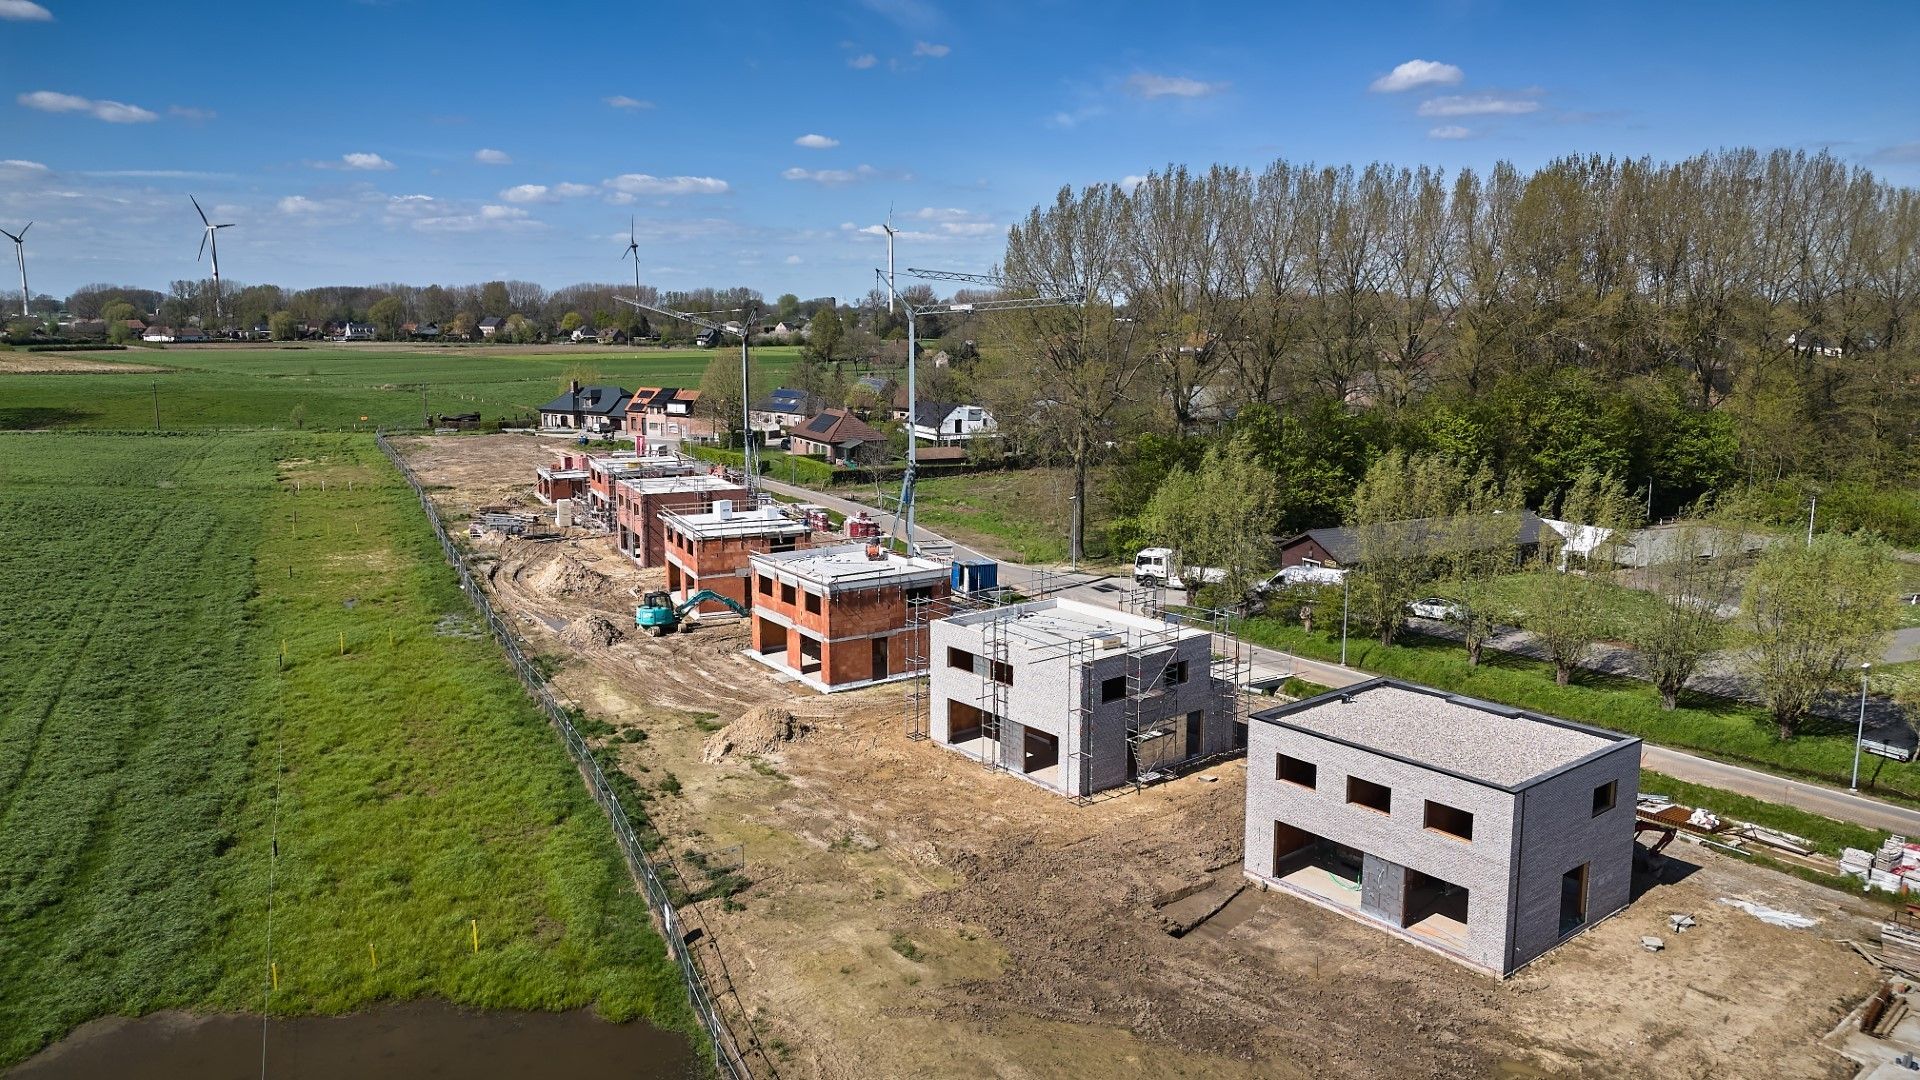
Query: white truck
[(1161, 566)]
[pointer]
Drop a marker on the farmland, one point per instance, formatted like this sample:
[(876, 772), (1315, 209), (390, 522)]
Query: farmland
[(155, 750), (333, 387)]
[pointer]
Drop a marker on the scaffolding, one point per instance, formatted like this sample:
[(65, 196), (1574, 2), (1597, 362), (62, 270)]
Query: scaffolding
[(1148, 718), (922, 613), (994, 691)]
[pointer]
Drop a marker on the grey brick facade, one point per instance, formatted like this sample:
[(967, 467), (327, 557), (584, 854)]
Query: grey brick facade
[(1063, 692), (1534, 787)]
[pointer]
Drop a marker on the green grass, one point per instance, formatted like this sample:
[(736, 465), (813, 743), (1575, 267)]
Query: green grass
[(145, 721), (1619, 605), (1014, 514), (1725, 730), (230, 388)]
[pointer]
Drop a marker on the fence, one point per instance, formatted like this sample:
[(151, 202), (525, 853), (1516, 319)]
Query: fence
[(727, 1058)]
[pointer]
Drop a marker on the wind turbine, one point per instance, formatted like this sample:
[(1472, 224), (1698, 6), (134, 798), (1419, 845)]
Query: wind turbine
[(633, 252), (211, 236), (20, 253)]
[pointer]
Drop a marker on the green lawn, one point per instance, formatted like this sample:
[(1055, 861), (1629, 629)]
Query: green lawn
[(1720, 729), (1019, 514), (146, 722), (227, 388), (1620, 605)]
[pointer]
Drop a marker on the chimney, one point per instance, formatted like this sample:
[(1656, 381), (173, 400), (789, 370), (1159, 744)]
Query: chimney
[(724, 508), (574, 386)]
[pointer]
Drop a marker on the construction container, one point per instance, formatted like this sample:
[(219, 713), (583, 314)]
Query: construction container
[(975, 575), (563, 514)]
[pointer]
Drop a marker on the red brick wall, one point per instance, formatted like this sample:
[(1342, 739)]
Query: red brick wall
[(864, 612), (638, 517), (1303, 549)]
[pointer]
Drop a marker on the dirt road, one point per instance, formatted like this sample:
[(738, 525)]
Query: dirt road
[(907, 912)]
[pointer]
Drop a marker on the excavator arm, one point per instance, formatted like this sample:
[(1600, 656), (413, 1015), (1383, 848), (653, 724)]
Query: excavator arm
[(694, 601)]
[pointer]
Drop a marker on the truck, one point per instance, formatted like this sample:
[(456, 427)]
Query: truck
[(1161, 566)]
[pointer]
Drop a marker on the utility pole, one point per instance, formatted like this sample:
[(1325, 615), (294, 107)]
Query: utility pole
[(426, 418), (156, 406), (749, 454), (1860, 735), (1812, 502)]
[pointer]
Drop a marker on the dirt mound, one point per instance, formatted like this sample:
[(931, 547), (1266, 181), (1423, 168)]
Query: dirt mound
[(568, 577), (593, 630), (759, 731)]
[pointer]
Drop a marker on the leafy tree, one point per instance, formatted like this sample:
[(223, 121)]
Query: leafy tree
[(386, 315), (299, 417), (824, 334), (571, 321), (1810, 614), (1672, 637), (462, 326), (1398, 534), (1563, 602), (494, 300), (284, 326), (787, 308), (116, 313), (1221, 514), (1480, 543)]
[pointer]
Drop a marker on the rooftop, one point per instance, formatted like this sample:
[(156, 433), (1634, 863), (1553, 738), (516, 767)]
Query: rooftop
[(766, 521), (663, 485), (847, 566), (1505, 747), (1047, 624)]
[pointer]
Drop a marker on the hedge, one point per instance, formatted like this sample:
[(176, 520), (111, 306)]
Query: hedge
[(801, 470)]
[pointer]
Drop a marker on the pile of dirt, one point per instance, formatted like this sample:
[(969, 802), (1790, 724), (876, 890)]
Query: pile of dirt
[(568, 577), (759, 731), (593, 630)]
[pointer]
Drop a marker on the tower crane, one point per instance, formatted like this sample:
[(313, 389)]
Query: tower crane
[(1054, 297), (751, 458)]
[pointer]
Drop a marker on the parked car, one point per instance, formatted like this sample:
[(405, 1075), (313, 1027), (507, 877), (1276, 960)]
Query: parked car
[(1437, 608)]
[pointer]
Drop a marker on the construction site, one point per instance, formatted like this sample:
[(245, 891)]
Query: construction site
[(873, 895)]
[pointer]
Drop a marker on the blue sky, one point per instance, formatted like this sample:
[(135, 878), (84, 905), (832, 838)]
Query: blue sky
[(416, 141)]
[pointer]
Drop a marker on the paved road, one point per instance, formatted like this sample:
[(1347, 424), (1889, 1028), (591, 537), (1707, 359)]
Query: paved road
[(1109, 591)]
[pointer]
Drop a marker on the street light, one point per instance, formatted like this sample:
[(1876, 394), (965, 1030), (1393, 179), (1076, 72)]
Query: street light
[(1346, 590), (1860, 734)]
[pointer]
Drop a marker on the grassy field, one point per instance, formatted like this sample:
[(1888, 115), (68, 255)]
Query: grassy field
[(216, 388), (1016, 514), (147, 723), (1719, 729)]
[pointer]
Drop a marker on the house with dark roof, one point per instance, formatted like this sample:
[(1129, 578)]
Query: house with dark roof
[(662, 418), (783, 410), (599, 409), (492, 325), (943, 424), (1339, 548), (836, 435)]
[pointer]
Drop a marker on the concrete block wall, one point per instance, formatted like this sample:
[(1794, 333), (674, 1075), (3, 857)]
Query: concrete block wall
[(1480, 865), (1559, 831)]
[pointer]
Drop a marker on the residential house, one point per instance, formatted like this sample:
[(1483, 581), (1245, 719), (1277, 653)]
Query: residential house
[(787, 330), (945, 425), (613, 335), (640, 501), (1339, 547), (357, 331), (834, 434), (661, 418), (844, 616), (710, 338), (492, 326), (711, 551), (783, 409), (428, 332), (597, 409), (1484, 833)]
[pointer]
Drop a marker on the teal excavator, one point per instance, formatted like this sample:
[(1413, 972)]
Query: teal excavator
[(660, 616)]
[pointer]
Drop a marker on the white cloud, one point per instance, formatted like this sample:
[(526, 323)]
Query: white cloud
[(188, 112), (24, 11), (1150, 86), (502, 213), (945, 213), (1478, 105), (1131, 181), (1416, 73), (492, 157), (793, 260), (411, 199), (367, 162), (1074, 118), (113, 112), (969, 228), (573, 191), (928, 48), (525, 193), (1449, 131), (529, 193), (863, 61), (816, 142), (829, 177), (299, 204), (19, 167), (622, 101), (643, 184)]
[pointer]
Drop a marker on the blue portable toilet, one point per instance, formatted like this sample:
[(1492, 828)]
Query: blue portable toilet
[(975, 575)]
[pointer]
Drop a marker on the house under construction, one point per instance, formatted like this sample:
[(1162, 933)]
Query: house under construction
[(843, 616), (1080, 698), (711, 551)]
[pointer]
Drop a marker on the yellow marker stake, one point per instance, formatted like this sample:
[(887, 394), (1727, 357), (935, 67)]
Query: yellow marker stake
[(374, 956), (476, 935), (275, 970), (343, 643)]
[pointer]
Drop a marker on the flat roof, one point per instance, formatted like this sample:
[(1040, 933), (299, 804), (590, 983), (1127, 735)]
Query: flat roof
[(766, 521), (846, 566), (664, 485), (1047, 624), (1497, 745)]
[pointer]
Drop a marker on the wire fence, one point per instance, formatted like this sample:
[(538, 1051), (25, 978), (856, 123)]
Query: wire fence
[(727, 1058)]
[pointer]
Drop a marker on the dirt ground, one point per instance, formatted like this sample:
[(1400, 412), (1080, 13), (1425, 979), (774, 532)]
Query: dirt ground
[(67, 364), (909, 912)]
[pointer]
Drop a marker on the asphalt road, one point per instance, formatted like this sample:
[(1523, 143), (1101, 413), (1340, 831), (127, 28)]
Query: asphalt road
[(1112, 592)]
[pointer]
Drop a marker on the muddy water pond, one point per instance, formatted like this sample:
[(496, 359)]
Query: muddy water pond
[(414, 1039)]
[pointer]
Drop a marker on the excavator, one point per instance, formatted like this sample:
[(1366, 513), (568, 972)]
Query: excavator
[(660, 616)]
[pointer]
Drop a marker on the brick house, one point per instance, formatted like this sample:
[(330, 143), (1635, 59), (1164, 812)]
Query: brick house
[(598, 409), (661, 418), (711, 550), (565, 479), (837, 617), (834, 434), (1482, 832), (639, 500)]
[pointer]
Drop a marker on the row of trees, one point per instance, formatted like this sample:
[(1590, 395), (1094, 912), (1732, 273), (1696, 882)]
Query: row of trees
[(1735, 317)]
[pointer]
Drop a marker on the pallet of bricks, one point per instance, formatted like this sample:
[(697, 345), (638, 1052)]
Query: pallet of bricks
[(1895, 868)]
